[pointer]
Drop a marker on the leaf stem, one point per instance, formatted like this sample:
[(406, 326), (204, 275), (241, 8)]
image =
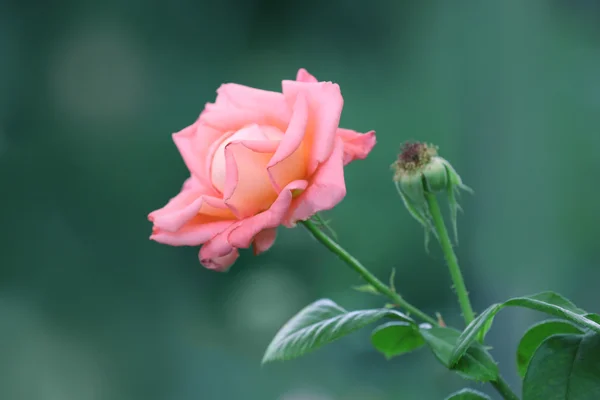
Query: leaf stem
[(505, 391), (338, 250), (457, 278)]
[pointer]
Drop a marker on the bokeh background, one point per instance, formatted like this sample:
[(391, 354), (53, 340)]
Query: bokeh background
[(90, 92)]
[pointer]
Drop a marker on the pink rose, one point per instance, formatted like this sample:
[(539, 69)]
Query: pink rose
[(258, 159)]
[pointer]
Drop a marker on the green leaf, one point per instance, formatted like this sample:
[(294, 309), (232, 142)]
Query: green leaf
[(476, 364), (320, 323), (485, 329), (547, 302), (366, 288), (557, 300), (468, 394), (535, 336), (395, 338), (565, 367), (593, 317), (471, 332)]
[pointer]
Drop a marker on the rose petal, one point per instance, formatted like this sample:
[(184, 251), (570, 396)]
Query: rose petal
[(326, 189), (304, 76), (356, 145), (184, 140), (248, 189), (196, 232), (264, 240), (325, 105), (242, 235), (218, 263), (238, 105), (215, 161), (190, 202), (193, 143), (218, 254), (221, 251), (218, 162), (223, 263), (288, 162)]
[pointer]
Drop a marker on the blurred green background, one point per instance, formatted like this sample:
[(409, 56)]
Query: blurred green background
[(91, 91)]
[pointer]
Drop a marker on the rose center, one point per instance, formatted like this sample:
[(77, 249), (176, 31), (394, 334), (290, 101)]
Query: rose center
[(218, 165)]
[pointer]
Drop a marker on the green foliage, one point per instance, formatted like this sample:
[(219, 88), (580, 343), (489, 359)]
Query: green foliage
[(565, 367), (593, 317), (366, 288), (547, 302), (320, 323), (476, 364), (396, 338), (536, 335), (468, 394), (485, 329)]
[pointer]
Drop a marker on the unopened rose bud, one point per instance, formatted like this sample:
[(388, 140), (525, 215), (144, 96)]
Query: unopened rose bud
[(419, 171)]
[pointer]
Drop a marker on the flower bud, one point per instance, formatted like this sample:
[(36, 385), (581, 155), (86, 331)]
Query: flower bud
[(419, 172)]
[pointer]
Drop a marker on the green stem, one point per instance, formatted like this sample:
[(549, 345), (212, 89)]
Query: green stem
[(457, 278), (500, 385), (505, 391), (366, 274)]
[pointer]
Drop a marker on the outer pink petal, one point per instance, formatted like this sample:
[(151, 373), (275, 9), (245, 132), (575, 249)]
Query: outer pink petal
[(245, 232), (248, 189), (218, 263), (288, 163), (238, 105), (193, 144), (326, 189), (196, 232), (325, 105), (218, 254), (356, 145), (184, 140), (190, 202), (304, 76), (223, 263), (264, 240)]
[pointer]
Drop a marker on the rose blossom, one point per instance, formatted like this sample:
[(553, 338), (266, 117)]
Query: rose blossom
[(258, 159)]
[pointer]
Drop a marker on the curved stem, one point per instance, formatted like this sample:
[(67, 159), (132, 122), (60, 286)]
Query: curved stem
[(505, 391), (500, 385), (366, 274), (457, 278)]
